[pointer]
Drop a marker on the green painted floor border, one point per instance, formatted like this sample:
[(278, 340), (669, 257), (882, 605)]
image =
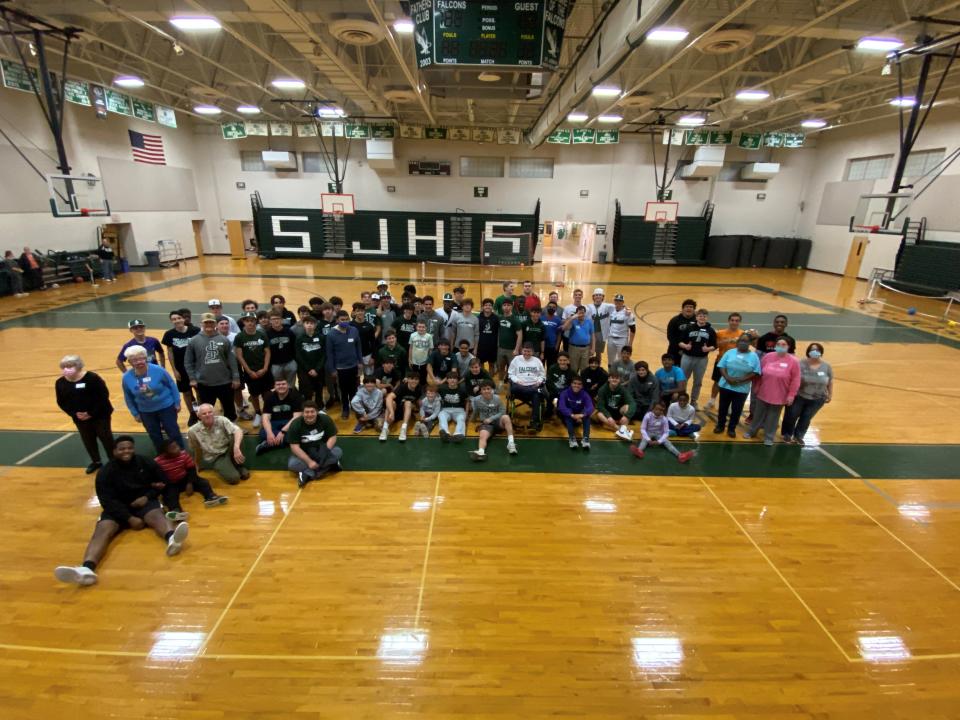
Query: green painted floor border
[(551, 455)]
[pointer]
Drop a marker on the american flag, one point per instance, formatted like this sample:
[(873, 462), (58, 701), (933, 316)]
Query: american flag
[(147, 148)]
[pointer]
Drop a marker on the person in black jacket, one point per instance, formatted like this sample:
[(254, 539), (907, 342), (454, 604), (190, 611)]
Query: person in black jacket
[(84, 396), (128, 488), (675, 334)]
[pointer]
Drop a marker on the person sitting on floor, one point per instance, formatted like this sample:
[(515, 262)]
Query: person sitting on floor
[(430, 407), (454, 405), (367, 403), (181, 473), (407, 398), (575, 407), (127, 487), (681, 416), (280, 408), (655, 430), (594, 377), (313, 445), (615, 407), (492, 417), (216, 445)]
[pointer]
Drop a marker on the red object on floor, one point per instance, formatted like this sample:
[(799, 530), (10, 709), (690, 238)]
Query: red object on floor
[(685, 456), (637, 452)]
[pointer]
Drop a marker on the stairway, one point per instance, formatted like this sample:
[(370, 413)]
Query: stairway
[(334, 236), (665, 244)]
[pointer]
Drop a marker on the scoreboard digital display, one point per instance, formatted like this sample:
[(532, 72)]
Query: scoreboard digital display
[(514, 33)]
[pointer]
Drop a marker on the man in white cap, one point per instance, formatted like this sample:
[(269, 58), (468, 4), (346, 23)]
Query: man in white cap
[(382, 287), (601, 319), (622, 328), (216, 307)]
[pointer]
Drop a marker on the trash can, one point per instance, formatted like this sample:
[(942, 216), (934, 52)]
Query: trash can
[(602, 257), (153, 258)]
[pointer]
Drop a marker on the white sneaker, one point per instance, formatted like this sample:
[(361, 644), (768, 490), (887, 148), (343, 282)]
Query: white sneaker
[(79, 575), (177, 515), (384, 432), (624, 433), (257, 420), (512, 448), (175, 543), (710, 404), (403, 433)]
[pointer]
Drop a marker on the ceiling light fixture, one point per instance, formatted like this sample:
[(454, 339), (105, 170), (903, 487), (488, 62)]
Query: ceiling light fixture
[(177, 50), (330, 112), (404, 26), (665, 34), (903, 102), (248, 110), (32, 48), (692, 120), (752, 95), (207, 110), (128, 81), (289, 84), (577, 117), (606, 91), (195, 23), (609, 118), (879, 44), (814, 123)]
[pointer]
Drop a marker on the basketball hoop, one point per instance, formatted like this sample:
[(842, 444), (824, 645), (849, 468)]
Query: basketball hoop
[(866, 229)]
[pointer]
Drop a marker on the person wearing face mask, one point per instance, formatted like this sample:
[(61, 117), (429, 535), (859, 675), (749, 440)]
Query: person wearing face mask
[(738, 367), (776, 388), (344, 359), (816, 389), (84, 396)]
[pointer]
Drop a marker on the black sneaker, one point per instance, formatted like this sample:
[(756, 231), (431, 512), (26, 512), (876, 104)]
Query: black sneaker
[(731, 433), (718, 429), (335, 469), (93, 467), (444, 435), (303, 479), (261, 448), (457, 438)]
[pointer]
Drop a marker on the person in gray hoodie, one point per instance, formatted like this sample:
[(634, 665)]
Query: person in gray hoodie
[(644, 387), (212, 366), (368, 405), (492, 418), (435, 322)]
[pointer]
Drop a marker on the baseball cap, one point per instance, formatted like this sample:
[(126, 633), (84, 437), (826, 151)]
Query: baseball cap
[(208, 317), (618, 296), (598, 291), (136, 323), (386, 295), (382, 282), (448, 296), (251, 315), (375, 296), (214, 302)]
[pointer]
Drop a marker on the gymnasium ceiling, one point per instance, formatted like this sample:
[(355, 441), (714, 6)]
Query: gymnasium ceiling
[(801, 51)]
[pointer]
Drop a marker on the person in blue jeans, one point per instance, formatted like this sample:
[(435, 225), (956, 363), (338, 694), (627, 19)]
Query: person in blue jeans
[(152, 397), (738, 368), (671, 379)]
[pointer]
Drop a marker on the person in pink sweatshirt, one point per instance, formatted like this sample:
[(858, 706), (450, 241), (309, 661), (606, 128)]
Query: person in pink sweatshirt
[(575, 406), (775, 389), (655, 430)]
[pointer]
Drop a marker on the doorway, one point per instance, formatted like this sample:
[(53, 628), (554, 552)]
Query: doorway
[(568, 241), (198, 236), (858, 248)]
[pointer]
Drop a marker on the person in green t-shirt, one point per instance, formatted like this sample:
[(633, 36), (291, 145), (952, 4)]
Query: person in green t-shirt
[(313, 445), (392, 348), (615, 407), (508, 288), (508, 338), (535, 331), (252, 349), (311, 361)]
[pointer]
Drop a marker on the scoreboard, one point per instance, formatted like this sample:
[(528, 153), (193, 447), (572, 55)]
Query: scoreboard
[(511, 33)]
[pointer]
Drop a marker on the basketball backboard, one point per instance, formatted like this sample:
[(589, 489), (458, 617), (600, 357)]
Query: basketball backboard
[(334, 204), (873, 213), (77, 196), (661, 212)]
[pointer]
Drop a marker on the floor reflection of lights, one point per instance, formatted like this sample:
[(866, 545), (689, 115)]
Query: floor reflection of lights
[(657, 653), (914, 511), (174, 646), (402, 647), (600, 505), (883, 648), (424, 504)]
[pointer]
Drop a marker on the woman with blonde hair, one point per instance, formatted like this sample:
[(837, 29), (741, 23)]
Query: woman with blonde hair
[(83, 395)]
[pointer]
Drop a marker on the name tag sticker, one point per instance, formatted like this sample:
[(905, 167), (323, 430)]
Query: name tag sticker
[(81, 386), (821, 373), (349, 340), (784, 364)]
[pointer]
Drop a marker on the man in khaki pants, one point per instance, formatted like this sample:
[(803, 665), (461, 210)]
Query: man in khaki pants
[(582, 338)]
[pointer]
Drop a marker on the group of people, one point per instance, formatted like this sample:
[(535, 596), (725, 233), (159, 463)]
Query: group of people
[(420, 365)]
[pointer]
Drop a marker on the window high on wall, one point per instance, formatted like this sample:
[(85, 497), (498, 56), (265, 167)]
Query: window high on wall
[(529, 167), (252, 161), (921, 162), (481, 166), (869, 168)]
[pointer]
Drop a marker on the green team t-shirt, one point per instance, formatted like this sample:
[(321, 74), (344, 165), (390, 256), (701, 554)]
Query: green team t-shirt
[(498, 303), (509, 328), (310, 352), (535, 333), (252, 347), (305, 435), (398, 353)]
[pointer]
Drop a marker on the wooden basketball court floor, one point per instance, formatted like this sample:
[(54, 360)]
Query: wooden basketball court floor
[(754, 582)]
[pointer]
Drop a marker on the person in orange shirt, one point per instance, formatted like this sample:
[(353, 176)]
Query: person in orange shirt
[(726, 340), (33, 272)]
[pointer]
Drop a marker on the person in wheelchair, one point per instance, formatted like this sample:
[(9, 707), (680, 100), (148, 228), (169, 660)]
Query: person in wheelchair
[(527, 382)]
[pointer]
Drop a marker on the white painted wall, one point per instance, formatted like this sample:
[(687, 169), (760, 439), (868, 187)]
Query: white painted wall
[(834, 148), (87, 139)]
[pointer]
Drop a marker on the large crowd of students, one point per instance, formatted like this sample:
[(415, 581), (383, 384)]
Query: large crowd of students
[(411, 366)]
